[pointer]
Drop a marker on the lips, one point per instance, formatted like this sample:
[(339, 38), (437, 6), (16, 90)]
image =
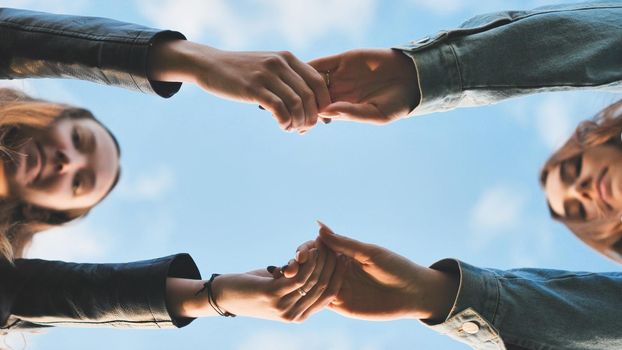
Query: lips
[(603, 188)]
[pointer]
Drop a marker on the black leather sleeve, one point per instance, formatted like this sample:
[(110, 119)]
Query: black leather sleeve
[(40, 293), (36, 44)]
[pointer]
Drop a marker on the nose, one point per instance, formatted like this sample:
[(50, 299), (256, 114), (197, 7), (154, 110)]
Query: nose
[(584, 188), (65, 161)]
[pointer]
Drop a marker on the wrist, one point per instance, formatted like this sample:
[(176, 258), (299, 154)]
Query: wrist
[(409, 79), (182, 299), (438, 291), (178, 60)]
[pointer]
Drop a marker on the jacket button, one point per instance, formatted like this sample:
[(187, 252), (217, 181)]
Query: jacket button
[(470, 327)]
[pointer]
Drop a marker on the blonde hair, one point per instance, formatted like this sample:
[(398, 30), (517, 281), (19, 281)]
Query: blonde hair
[(18, 110), (604, 128)]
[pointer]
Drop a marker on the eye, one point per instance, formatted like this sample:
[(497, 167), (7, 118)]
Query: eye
[(575, 210), (76, 139), (76, 183), (570, 169)]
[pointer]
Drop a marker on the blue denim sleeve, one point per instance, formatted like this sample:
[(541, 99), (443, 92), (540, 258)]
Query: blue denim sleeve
[(501, 55), (534, 308)]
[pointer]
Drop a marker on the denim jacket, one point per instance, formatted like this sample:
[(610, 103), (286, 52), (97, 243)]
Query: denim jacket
[(534, 308), (488, 59), (500, 55)]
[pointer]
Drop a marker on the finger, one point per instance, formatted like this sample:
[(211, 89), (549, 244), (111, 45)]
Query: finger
[(291, 270), (331, 292), (292, 100), (302, 252), (326, 64), (301, 292), (287, 285), (276, 106), (307, 282), (357, 112), (274, 271), (316, 291), (314, 80), (352, 248), (307, 96)]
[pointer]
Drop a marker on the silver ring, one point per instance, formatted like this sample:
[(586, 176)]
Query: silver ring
[(301, 292), (327, 78)]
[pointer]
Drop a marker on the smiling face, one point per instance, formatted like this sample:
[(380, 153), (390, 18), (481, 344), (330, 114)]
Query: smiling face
[(587, 188), (71, 164)]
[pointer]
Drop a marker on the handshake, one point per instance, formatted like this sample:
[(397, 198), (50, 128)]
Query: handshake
[(374, 86), (353, 278)]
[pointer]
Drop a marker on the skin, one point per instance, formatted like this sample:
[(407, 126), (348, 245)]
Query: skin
[(291, 90), (258, 294), (597, 188), (71, 164), (379, 284), (375, 86)]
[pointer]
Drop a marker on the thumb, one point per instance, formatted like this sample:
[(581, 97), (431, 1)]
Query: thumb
[(349, 247), (357, 112)]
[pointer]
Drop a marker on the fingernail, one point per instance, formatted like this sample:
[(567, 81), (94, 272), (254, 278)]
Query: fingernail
[(284, 267), (261, 107), (326, 120), (271, 268), (297, 255)]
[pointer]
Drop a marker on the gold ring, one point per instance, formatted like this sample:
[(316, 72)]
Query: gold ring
[(301, 292)]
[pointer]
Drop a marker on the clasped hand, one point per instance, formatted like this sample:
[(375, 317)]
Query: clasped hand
[(353, 278)]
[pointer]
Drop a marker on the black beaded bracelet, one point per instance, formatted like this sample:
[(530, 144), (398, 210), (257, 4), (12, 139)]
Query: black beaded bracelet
[(207, 286)]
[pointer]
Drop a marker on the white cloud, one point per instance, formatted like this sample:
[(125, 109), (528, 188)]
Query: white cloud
[(148, 186), (237, 24), (498, 209), (74, 242), (554, 120)]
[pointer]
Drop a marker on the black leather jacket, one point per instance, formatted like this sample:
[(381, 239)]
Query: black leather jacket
[(39, 293), (36, 44)]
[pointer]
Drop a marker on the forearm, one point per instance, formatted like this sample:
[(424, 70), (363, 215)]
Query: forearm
[(37, 44), (506, 54), (533, 308), (53, 293)]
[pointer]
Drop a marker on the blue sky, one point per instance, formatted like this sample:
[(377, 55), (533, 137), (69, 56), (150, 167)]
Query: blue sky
[(219, 180)]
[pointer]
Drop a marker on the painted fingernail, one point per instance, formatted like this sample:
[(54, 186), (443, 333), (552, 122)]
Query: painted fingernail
[(326, 120), (261, 107), (284, 267), (271, 268)]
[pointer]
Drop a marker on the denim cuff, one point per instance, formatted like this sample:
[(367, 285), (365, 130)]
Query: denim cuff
[(438, 74), (473, 312)]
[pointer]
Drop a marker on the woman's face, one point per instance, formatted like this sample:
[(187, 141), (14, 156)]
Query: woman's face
[(588, 187), (69, 165)]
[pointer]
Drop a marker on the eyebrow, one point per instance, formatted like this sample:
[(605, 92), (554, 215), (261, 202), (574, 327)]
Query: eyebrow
[(90, 181), (91, 143)]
